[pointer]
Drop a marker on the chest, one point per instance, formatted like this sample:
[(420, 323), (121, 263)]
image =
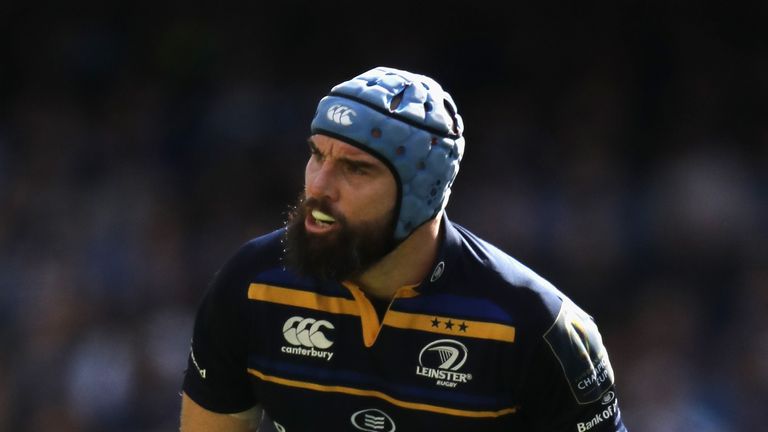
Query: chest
[(332, 365)]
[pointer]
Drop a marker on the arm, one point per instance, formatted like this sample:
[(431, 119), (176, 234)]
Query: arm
[(570, 385), (217, 393), (195, 418)]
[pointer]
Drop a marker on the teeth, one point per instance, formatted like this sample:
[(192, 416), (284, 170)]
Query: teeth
[(322, 217)]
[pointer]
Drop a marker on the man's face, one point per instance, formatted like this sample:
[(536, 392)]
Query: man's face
[(343, 222)]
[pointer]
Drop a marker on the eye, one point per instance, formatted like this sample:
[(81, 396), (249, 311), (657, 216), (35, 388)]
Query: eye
[(358, 170), (315, 154), (360, 167)]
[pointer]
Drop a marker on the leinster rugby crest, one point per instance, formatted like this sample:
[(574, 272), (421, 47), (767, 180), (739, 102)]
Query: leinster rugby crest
[(443, 361)]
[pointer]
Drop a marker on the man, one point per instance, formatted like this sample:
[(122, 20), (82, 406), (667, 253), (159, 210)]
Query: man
[(371, 311)]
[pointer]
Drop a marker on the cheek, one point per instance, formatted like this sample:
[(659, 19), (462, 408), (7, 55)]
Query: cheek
[(382, 202), (390, 197)]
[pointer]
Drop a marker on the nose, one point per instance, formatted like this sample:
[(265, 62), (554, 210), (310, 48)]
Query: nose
[(321, 181)]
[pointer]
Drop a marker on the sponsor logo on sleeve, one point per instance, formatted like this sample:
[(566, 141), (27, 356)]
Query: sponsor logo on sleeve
[(600, 417), (578, 347), (307, 337), (372, 420), (442, 361)]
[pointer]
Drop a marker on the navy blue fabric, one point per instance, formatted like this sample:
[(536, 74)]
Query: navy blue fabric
[(410, 377)]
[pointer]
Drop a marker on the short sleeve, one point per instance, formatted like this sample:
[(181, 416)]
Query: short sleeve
[(571, 383), (217, 377)]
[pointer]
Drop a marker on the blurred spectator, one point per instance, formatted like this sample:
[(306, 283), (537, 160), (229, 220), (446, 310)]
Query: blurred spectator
[(619, 151)]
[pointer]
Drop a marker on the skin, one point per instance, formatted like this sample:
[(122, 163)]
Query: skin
[(367, 194), (195, 418), (361, 188)]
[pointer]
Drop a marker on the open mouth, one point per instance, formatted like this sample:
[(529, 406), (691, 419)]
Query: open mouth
[(322, 218), (318, 221)]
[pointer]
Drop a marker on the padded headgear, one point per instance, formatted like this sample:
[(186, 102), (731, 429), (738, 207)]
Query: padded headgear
[(408, 122)]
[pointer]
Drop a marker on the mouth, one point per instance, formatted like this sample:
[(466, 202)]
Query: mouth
[(319, 222)]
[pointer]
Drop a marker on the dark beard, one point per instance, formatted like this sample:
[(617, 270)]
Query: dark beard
[(340, 255)]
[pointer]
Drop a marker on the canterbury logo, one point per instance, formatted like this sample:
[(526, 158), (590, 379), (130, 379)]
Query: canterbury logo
[(299, 331), (341, 114)]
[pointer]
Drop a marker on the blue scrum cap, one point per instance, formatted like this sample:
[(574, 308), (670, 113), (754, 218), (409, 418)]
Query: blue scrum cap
[(408, 122)]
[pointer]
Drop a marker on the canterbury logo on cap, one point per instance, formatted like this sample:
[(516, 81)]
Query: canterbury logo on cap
[(341, 114)]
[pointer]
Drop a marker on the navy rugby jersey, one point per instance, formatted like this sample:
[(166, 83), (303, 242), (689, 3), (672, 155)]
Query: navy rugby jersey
[(483, 344)]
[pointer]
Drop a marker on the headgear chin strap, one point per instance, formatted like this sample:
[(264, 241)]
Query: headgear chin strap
[(408, 122)]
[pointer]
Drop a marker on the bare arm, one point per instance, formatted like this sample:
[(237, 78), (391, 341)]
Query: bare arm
[(195, 418)]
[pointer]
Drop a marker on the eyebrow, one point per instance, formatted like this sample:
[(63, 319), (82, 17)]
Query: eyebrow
[(359, 164), (345, 159)]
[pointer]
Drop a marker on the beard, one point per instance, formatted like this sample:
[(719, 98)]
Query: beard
[(339, 255)]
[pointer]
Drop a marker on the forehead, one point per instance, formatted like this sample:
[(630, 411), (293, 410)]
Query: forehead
[(339, 149)]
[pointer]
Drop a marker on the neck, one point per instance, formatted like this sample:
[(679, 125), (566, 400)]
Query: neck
[(408, 264)]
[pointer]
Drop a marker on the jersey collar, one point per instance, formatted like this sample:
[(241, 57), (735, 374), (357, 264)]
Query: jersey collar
[(446, 260)]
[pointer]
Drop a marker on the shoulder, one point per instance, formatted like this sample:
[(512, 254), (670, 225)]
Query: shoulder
[(262, 251), (492, 273), (260, 261), (255, 256), (544, 315)]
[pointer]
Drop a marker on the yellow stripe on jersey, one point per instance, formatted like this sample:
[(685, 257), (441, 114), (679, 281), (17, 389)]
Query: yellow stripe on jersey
[(450, 326), (304, 299), (383, 396), (371, 327)]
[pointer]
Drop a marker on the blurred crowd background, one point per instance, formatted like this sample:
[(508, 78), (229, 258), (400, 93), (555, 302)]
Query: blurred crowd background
[(621, 151)]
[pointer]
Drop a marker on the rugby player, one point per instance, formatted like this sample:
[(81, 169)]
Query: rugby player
[(372, 311)]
